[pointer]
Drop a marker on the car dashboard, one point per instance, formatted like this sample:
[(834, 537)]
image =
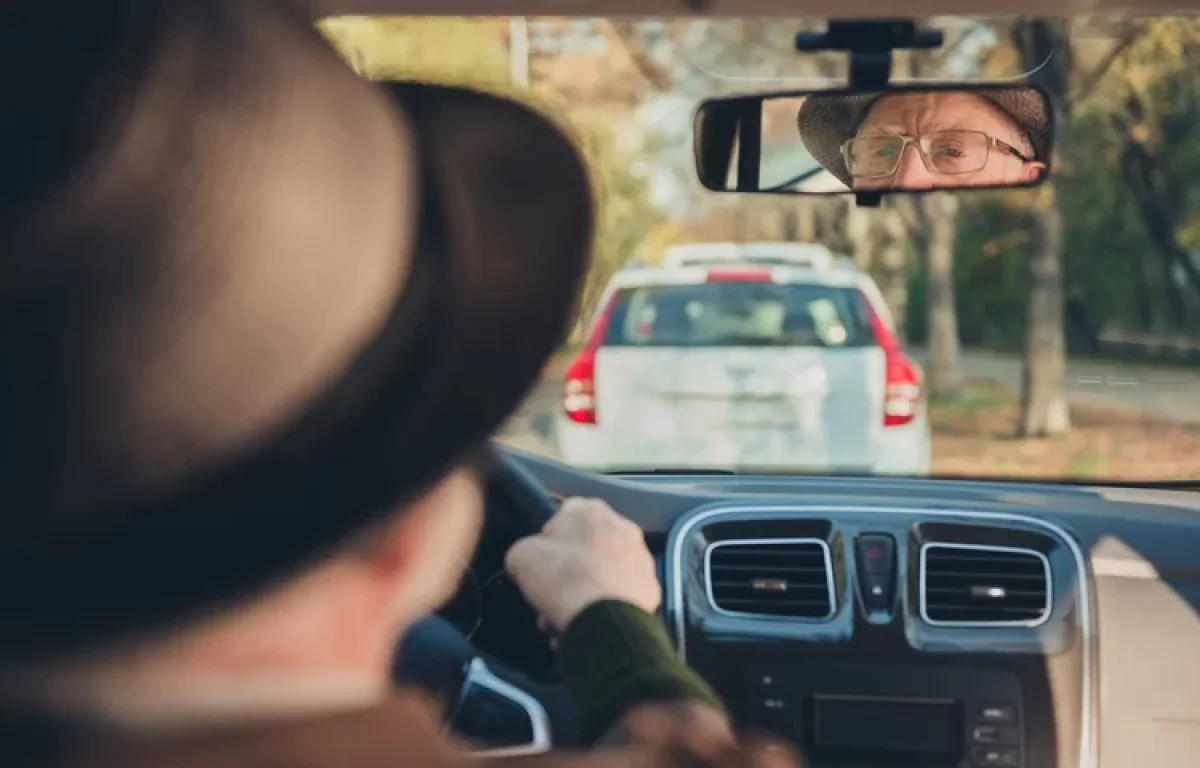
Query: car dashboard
[(889, 636), (887, 623)]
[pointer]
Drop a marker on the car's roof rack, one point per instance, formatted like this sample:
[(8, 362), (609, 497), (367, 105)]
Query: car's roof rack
[(784, 254)]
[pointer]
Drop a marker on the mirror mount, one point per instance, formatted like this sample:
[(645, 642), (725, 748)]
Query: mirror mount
[(870, 45)]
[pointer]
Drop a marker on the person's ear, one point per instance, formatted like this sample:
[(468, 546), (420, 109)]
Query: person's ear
[(1032, 171), (421, 552)]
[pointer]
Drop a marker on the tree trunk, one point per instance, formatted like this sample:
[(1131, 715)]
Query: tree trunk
[(858, 234), (806, 221), (791, 226), (1044, 408), (1158, 222), (1144, 305), (893, 257), (944, 370)]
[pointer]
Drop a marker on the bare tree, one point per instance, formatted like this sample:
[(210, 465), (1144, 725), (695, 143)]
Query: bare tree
[(936, 220), (939, 216), (1044, 408), (893, 238), (1157, 109)]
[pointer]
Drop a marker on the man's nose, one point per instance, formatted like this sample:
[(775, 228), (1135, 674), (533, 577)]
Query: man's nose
[(912, 173)]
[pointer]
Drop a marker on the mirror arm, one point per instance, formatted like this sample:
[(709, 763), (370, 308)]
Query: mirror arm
[(874, 36), (868, 199)]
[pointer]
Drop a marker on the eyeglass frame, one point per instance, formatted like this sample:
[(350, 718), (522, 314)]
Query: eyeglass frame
[(1004, 146)]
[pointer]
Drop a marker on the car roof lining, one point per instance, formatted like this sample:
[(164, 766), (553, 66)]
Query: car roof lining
[(753, 8)]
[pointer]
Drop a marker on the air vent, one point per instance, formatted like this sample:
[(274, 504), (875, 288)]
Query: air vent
[(789, 578), (974, 585)]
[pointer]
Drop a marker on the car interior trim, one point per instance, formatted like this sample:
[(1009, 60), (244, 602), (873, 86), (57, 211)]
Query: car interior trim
[(676, 603), (479, 675), (1032, 624), (829, 583)]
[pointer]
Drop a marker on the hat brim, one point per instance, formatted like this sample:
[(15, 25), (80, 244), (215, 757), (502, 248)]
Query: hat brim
[(827, 121), (504, 245)]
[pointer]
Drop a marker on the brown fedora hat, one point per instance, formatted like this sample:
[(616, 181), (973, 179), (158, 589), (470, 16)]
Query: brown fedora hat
[(249, 303), (827, 121)]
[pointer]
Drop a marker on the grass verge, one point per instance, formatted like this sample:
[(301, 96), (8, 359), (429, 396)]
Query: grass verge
[(975, 435)]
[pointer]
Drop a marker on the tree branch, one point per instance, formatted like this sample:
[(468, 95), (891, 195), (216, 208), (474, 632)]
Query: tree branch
[(1122, 45), (625, 33)]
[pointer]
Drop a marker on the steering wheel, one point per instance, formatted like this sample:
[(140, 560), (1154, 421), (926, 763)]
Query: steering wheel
[(488, 701)]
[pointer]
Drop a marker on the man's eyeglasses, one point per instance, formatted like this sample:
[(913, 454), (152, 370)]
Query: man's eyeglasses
[(949, 152)]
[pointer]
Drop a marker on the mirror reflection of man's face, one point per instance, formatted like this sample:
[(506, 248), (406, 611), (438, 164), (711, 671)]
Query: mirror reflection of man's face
[(931, 112)]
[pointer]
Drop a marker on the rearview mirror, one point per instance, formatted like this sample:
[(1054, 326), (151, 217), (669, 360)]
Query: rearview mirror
[(907, 138)]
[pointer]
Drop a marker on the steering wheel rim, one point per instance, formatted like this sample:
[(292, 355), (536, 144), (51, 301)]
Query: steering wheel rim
[(532, 505), (435, 656)]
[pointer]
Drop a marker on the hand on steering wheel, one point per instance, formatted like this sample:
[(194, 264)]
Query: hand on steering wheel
[(586, 554), (562, 560)]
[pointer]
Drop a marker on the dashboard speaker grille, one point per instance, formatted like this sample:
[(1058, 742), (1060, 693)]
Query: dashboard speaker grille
[(788, 578), (976, 585)]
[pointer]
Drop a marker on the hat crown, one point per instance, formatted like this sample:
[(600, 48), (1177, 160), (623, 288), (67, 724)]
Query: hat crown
[(231, 232)]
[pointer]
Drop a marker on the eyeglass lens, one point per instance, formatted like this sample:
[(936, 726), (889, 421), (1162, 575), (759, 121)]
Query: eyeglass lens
[(943, 152)]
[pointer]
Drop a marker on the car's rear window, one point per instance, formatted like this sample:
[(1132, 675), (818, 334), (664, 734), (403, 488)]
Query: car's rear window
[(729, 314)]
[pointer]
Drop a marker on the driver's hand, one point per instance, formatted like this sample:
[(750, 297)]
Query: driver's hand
[(585, 554)]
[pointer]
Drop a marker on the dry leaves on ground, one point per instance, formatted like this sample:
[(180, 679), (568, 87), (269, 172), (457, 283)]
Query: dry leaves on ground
[(974, 436)]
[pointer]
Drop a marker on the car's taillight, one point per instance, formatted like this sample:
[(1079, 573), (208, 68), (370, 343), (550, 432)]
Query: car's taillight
[(579, 384), (902, 393), (579, 389), (738, 276), (902, 387)]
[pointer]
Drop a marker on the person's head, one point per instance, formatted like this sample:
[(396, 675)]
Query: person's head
[(259, 315), (939, 139), (929, 139)]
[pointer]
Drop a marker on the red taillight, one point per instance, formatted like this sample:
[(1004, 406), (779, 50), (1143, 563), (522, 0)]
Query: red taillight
[(902, 392), (902, 387), (579, 384), (579, 389), (738, 276)]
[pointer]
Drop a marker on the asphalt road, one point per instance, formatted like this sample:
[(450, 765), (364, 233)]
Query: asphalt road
[(1171, 393), (1165, 392)]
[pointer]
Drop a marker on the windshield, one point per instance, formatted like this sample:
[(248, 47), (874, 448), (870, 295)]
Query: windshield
[(1048, 333)]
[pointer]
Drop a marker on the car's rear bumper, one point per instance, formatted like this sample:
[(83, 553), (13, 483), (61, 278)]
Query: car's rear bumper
[(904, 450)]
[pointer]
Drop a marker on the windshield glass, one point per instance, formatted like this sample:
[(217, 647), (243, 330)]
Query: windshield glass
[(1047, 333)]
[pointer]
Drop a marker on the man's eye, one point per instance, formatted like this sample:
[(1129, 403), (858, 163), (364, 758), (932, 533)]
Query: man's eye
[(950, 151), (884, 151)]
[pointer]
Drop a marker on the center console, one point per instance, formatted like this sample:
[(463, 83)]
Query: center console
[(891, 637)]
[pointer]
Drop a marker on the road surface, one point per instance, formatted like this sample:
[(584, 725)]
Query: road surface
[(1165, 392)]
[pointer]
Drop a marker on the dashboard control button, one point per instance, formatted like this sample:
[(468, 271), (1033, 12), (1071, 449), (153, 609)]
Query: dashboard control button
[(996, 757), (994, 734), (997, 713), (773, 704), (773, 714), (876, 554), (766, 681)]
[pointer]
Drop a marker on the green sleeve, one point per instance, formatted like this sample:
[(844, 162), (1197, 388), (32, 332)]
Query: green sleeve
[(616, 656)]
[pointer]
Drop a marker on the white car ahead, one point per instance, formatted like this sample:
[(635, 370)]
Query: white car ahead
[(767, 357)]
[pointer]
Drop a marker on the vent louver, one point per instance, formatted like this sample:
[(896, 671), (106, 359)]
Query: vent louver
[(788, 578), (975, 585)]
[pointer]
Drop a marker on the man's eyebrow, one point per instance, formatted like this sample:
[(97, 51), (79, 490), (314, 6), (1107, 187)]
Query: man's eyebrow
[(926, 127), (888, 129), (955, 126)]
